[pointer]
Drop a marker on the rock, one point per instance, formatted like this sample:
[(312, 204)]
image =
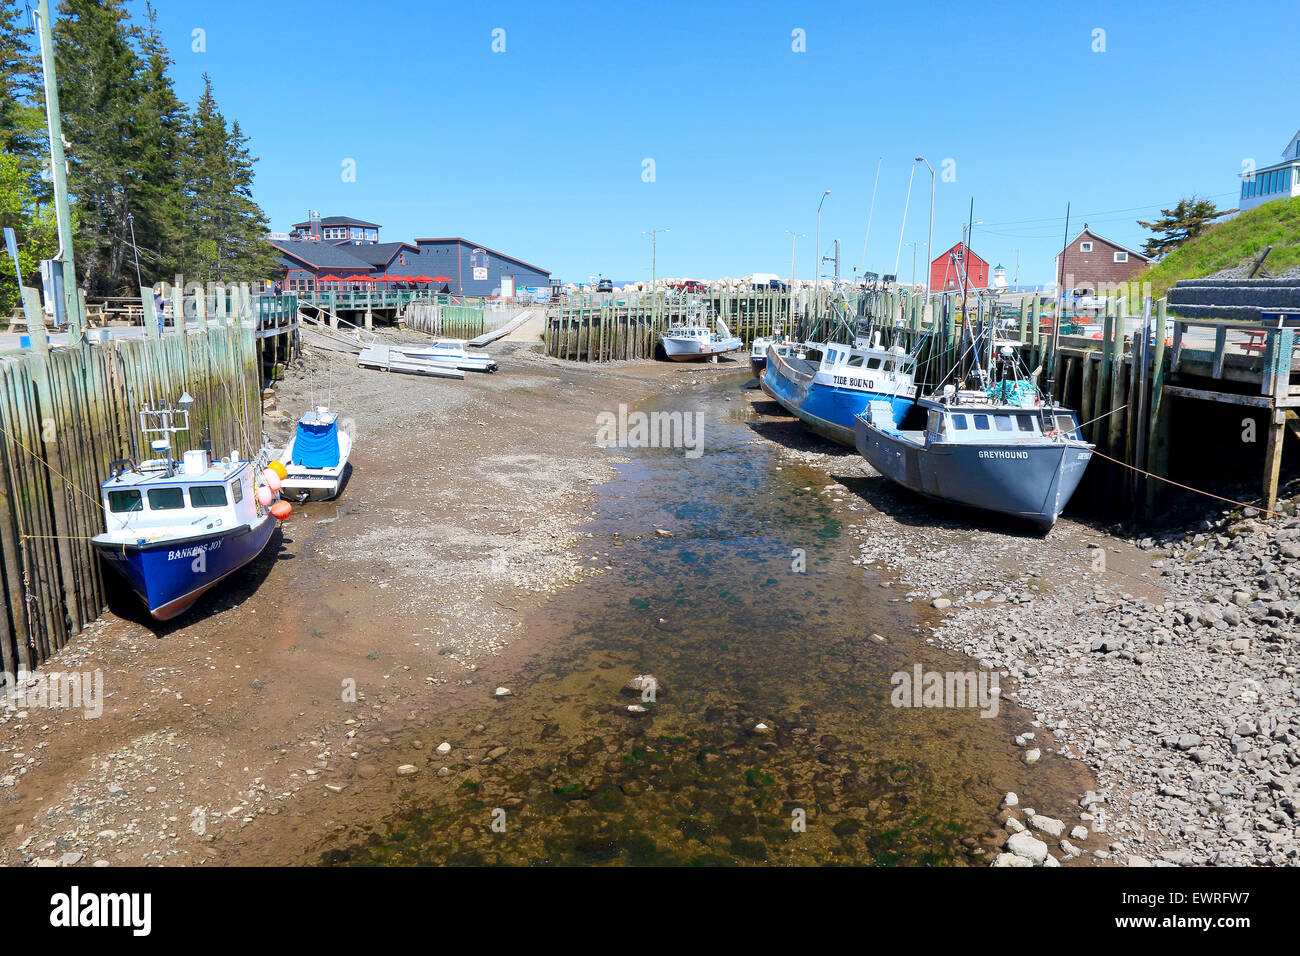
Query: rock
[(1070, 850), (941, 604), (1010, 800), (636, 710), (406, 769), (70, 858), (645, 686), (1079, 833), (367, 771), (1010, 859), (761, 729), (443, 748), (1049, 825), (1027, 846), (496, 753), (503, 692), (1031, 756)]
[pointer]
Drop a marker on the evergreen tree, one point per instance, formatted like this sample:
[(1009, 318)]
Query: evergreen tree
[(155, 189), (1185, 221), (22, 126), (97, 70), (24, 205)]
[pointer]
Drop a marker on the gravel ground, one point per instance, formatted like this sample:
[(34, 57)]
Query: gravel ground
[(1168, 664)]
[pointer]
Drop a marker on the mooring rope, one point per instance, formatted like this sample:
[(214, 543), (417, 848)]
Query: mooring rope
[(1177, 484)]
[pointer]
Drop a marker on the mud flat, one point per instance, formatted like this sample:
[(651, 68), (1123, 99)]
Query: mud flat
[(459, 517), (1167, 664)]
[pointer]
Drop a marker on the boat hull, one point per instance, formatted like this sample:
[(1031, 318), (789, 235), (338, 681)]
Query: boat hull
[(692, 350), (313, 484), (1033, 483), (826, 409), (756, 365), (169, 576)]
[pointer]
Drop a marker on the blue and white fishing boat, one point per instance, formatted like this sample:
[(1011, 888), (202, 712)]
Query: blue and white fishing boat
[(758, 349), (693, 339), (827, 393), (1002, 448), (316, 457), (176, 529)]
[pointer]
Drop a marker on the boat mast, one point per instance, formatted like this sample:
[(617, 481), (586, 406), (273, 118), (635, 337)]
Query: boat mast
[(1060, 311)]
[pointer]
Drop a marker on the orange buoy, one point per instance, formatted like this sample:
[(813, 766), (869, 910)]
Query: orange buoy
[(281, 510), (279, 469)]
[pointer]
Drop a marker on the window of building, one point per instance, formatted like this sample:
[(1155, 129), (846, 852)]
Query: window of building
[(1121, 257), (1085, 247), (208, 496), (401, 258), (166, 499)]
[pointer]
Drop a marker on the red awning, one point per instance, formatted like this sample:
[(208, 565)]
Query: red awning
[(441, 279), (329, 278)]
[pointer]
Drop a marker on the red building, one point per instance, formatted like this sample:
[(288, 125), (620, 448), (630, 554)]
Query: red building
[(949, 271)]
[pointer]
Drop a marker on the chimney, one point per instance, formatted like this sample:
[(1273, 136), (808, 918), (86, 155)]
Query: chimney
[(315, 225)]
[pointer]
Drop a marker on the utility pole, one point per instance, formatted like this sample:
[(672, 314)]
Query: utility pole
[(59, 175)]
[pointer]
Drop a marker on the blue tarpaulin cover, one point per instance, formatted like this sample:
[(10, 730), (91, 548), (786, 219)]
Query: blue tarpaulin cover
[(317, 446)]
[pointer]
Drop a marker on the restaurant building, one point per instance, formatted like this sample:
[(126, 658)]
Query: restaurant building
[(342, 252)]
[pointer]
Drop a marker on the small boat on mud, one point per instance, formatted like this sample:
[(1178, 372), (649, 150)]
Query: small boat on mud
[(450, 353), (391, 358), (828, 391), (316, 457), (1003, 448), (693, 339), (176, 529), (758, 350)]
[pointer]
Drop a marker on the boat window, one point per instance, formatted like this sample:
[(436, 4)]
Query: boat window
[(1025, 422), (1003, 422), (1066, 423), (873, 363), (855, 361), (959, 422), (935, 423), (166, 499), (123, 501), (208, 496), (981, 422), (237, 491)]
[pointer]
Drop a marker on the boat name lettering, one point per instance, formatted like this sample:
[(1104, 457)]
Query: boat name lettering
[(1001, 453), (193, 552)]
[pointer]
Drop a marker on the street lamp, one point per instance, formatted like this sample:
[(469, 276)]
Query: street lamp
[(654, 262), (929, 252), (817, 265)]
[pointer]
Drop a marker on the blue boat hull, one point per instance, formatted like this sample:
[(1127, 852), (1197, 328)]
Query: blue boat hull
[(1030, 482), (826, 409), (170, 576)]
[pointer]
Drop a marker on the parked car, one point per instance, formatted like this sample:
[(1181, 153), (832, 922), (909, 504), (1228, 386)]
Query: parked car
[(605, 285)]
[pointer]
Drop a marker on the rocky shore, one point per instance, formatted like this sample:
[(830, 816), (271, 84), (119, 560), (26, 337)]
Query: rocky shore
[(1168, 664)]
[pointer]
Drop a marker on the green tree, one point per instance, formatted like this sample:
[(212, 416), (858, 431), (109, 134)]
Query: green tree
[(227, 229), (97, 69), (33, 224), (1185, 221), (22, 127)]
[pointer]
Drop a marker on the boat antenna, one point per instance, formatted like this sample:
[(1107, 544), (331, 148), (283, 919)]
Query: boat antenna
[(870, 212), (1060, 311)]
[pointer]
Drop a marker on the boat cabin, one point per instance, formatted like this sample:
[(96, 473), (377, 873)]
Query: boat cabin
[(894, 362), (995, 424), (193, 497)]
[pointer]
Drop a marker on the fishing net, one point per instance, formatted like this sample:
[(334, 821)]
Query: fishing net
[(1022, 394)]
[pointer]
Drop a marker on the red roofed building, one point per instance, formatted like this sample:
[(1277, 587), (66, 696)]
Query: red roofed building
[(949, 271)]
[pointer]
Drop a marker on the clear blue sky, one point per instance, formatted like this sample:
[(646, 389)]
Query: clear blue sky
[(538, 151)]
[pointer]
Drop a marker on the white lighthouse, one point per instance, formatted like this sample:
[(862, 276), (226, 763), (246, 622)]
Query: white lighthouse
[(999, 278)]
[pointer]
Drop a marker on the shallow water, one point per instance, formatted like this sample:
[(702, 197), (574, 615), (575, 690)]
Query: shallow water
[(735, 635)]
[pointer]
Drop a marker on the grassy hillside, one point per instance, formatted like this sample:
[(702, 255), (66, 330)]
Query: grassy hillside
[(1232, 243)]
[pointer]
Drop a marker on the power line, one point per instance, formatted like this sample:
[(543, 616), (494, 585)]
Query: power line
[(1098, 215)]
